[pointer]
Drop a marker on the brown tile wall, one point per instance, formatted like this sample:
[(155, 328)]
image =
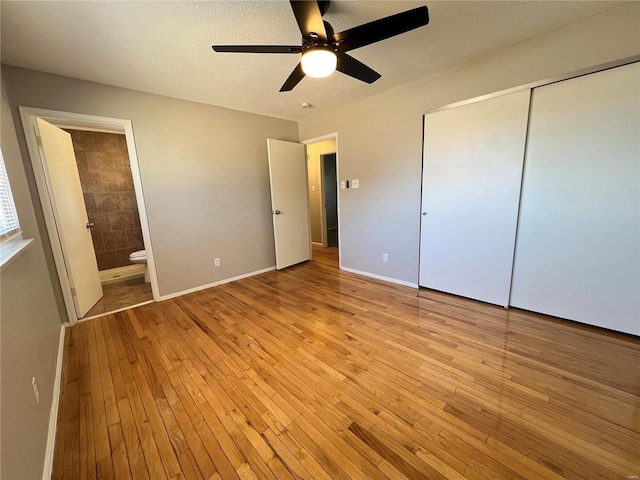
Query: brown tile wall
[(107, 184)]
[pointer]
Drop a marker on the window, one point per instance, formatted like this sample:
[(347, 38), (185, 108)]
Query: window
[(9, 224), (11, 242)]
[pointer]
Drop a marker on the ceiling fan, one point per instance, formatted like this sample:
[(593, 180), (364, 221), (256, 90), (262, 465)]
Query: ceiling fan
[(324, 51)]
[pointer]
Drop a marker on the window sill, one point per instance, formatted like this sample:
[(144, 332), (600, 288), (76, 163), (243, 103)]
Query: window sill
[(11, 249)]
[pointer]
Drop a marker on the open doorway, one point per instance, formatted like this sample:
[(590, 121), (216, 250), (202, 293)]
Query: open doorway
[(112, 209), (322, 171), (330, 200), (107, 197)]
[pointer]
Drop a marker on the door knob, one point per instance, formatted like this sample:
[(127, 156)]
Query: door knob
[(424, 213), (277, 212), (90, 225)]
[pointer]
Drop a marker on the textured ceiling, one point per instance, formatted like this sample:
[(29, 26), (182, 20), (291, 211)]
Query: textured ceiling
[(165, 47)]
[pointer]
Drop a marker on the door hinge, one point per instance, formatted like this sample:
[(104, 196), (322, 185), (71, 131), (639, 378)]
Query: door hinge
[(73, 292), (39, 140)]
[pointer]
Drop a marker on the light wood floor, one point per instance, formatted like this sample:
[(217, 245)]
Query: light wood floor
[(320, 374)]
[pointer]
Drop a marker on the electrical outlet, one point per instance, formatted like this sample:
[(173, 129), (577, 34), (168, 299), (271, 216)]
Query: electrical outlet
[(36, 393), (385, 257), (216, 262)]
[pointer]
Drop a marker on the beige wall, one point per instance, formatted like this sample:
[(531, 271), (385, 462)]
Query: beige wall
[(314, 150), (30, 323), (204, 173), (381, 137)]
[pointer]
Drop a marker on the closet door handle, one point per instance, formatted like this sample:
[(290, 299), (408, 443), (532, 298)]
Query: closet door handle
[(277, 212), (90, 225), (424, 213)]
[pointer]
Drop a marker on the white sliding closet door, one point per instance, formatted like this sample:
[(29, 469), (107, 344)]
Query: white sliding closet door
[(578, 248), (473, 158)]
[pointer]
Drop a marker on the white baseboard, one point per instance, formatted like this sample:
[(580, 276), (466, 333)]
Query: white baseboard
[(120, 274), (317, 244), (53, 416), (215, 284), (380, 277)]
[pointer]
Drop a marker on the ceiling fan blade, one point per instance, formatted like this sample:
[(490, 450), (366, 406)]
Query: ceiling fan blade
[(293, 79), (257, 48), (381, 29), (356, 69), (309, 18)]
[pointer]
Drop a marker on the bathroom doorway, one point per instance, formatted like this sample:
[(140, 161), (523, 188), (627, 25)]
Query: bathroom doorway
[(112, 209), (108, 175), (322, 172)]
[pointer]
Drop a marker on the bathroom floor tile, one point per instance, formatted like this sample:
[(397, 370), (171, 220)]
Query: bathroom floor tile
[(121, 295), (97, 309)]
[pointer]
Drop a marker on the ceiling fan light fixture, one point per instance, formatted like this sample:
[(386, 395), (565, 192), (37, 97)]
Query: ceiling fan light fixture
[(318, 62), (322, 48)]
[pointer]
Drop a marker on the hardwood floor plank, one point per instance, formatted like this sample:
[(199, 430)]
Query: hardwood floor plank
[(314, 373), (59, 456), (72, 433), (392, 457), (231, 451), (189, 468), (400, 450), (145, 438), (218, 397), (288, 457), (211, 445), (176, 436), (99, 417), (306, 402), (156, 426), (246, 472), (108, 381), (128, 402), (87, 441), (196, 447), (104, 469), (137, 464), (119, 456), (554, 455)]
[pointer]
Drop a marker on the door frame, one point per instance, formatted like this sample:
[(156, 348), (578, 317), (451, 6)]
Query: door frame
[(92, 123), (322, 138)]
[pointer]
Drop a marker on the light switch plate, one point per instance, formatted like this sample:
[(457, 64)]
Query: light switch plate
[(343, 184), (355, 183)]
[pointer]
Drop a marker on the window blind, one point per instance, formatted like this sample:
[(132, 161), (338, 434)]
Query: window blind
[(9, 224)]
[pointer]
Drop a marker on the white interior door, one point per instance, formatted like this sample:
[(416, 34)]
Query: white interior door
[(473, 158), (289, 202), (578, 250), (67, 200)]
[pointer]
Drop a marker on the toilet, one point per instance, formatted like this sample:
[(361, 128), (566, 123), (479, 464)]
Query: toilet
[(140, 257)]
